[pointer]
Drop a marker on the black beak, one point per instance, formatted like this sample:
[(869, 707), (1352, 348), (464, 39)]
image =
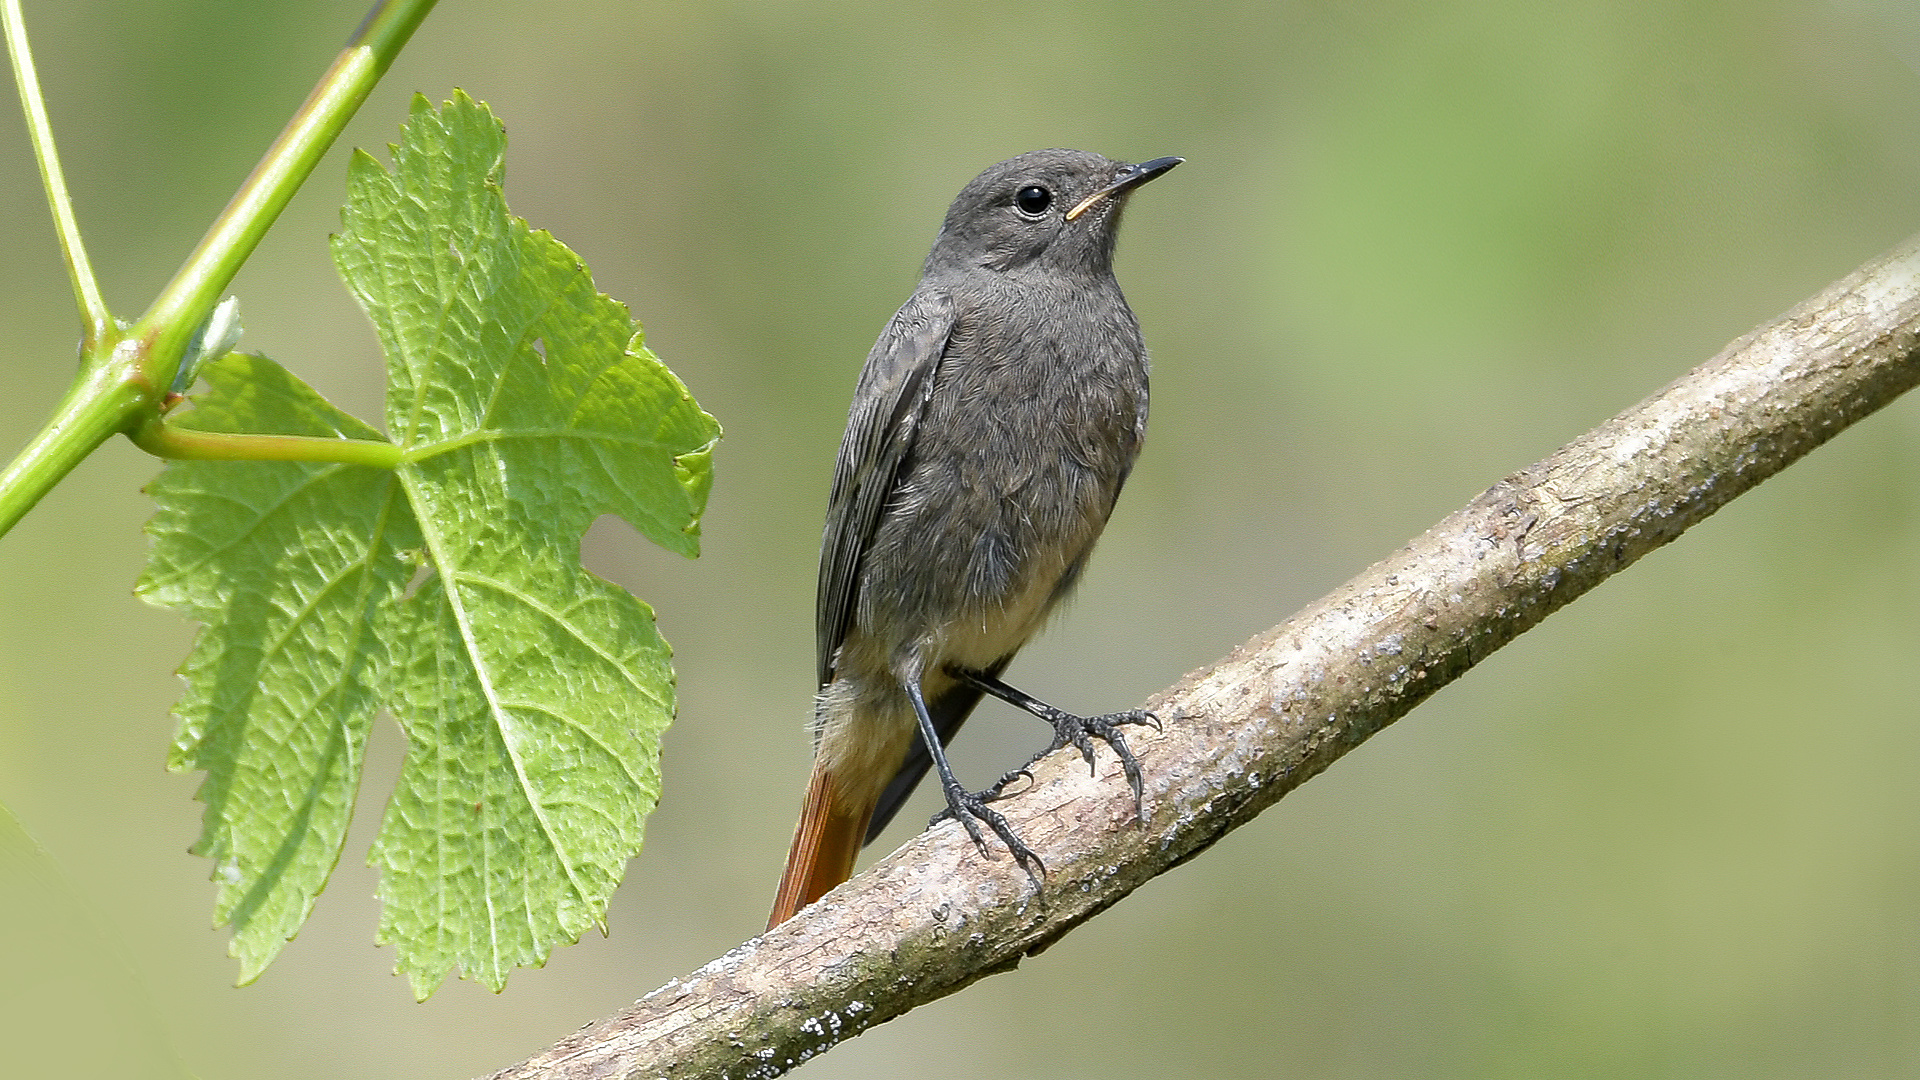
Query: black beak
[(1130, 177)]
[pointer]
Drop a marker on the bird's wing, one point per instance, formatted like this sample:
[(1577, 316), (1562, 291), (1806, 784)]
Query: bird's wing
[(887, 405)]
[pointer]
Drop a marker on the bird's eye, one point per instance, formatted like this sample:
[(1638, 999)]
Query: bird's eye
[(1033, 199)]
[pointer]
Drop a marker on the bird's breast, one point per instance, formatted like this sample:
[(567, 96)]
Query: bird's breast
[(1019, 455)]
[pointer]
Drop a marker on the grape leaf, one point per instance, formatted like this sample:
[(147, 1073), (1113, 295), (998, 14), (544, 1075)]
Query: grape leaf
[(293, 568), (448, 591)]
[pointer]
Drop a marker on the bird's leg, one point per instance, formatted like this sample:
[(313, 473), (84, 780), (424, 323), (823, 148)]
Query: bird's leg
[(964, 805), (1068, 730)]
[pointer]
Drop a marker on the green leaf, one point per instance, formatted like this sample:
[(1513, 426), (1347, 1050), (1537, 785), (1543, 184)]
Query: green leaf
[(532, 694), (292, 568)]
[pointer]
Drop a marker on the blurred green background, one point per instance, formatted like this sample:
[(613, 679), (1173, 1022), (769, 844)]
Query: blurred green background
[(1672, 832)]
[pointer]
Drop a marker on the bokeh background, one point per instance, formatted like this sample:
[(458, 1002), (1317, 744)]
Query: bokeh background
[(1674, 831)]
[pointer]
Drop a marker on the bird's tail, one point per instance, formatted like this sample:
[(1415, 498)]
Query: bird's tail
[(825, 844)]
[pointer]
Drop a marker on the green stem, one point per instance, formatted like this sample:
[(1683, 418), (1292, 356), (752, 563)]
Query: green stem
[(192, 293), (94, 409), (96, 323), (161, 439), (124, 377)]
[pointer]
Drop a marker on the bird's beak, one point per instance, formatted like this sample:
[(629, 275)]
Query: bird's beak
[(1130, 177)]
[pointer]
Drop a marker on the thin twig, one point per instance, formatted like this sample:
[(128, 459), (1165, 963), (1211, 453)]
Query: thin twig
[(203, 279), (95, 320), (125, 376)]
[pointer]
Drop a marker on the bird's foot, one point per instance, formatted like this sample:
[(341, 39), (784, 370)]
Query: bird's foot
[(1079, 733), (970, 809)]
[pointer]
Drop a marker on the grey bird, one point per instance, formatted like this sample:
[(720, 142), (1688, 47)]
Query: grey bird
[(992, 428)]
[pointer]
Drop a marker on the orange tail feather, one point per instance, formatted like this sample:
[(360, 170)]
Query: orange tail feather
[(825, 844)]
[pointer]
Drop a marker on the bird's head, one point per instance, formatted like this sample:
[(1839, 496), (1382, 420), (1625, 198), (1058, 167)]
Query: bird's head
[(1055, 209)]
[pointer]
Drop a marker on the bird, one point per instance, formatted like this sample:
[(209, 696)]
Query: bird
[(992, 427)]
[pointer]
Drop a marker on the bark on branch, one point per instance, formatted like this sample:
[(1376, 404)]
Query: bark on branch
[(934, 916)]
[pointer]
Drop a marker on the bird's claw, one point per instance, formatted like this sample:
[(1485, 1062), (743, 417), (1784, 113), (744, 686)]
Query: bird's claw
[(970, 809), (1079, 733)]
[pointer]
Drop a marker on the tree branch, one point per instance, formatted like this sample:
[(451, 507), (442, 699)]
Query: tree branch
[(934, 916)]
